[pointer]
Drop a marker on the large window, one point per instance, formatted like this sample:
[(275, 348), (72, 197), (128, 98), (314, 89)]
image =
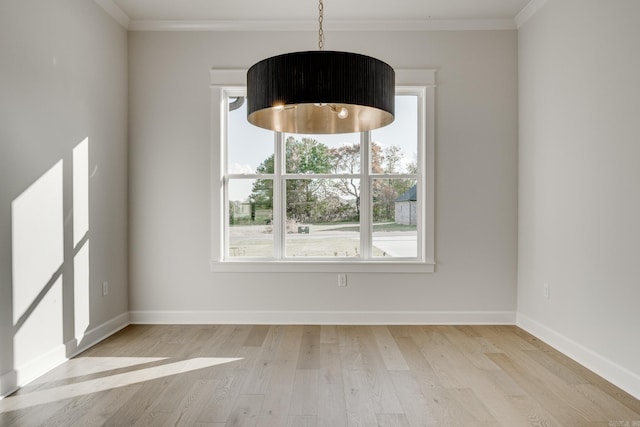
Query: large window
[(293, 202)]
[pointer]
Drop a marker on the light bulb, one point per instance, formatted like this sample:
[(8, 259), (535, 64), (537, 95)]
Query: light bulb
[(343, 113)]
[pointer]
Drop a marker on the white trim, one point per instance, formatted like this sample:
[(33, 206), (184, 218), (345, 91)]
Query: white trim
[(42, 364), (392, 266), (429, 187), (416, 77), (8, 383), (528, 11), (611, 371), (115, 12), (224, 81), (97, 334), (326, 317), (228, 77), (296, 25)]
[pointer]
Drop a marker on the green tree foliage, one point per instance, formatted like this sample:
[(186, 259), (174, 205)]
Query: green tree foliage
[(307, 156), (262, 189), (331, 200), (306, 198)]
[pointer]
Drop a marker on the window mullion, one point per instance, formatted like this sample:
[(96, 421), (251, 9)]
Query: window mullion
[(365, 195), (279, 190)]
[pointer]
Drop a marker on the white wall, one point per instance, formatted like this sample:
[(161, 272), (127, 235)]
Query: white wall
[(476, 199), (63, 202), (579, 193)]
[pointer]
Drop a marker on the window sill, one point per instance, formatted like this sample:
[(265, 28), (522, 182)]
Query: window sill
[(322, 267)]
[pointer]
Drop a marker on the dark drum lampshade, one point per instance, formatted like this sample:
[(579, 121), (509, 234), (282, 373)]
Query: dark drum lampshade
[(320, 92)]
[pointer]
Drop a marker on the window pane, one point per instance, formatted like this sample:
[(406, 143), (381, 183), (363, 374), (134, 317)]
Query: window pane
[(394, 148), (249, 148), (323, 153), (250, 216), (323, 218), (394, 218)]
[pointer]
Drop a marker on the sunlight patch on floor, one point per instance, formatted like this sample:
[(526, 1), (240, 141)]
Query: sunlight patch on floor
[(40, 397)]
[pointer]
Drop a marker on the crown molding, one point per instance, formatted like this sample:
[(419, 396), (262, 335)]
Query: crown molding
[(116, 13), (528, 11), (410, 25)]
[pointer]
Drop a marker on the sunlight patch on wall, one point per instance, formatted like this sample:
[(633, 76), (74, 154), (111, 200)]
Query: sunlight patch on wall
[(81, 291), (81, 284), (80, 191), (37, 258)]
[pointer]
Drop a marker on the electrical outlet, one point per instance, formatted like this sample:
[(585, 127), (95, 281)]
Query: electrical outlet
[(342, 280), (545, 290), (105, 289)]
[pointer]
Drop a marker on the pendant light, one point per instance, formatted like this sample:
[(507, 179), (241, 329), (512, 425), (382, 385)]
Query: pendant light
[(320, 92)]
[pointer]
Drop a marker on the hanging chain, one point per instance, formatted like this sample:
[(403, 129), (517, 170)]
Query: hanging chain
[(320, 31)]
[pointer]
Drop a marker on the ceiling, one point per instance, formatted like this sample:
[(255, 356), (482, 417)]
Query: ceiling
[(283, 11)]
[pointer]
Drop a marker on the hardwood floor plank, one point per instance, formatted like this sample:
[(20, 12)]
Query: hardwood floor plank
[(590, 377), (331, 400), (257, 381), (302, 421), (222, 399), (392, 420), (350, 348), (26, 416), (536, 386), (519, 400), (611, 408), (256, 336), (149, 419), (328, 334), (309, 353), (261, 372), (472, 347), (245, 411), (102, 408), (359, 403), (375, 373), (389, 351), (443, 407), (472, 404), (413, 401), (193, 403), (129, 413), (304, 397), (327, 376), (332, 407), (557, 369), (330, 371), (275, 408), (229, 387)]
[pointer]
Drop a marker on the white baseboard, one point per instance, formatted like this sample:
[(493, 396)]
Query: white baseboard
[(612, 372), (326, 317), (8, 383), (36, 367), (95, 335)]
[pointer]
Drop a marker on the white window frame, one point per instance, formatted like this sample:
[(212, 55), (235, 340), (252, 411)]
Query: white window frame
[(230, 83)]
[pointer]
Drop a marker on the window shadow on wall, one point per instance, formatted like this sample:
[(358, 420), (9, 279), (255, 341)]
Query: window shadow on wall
[(50, 266)]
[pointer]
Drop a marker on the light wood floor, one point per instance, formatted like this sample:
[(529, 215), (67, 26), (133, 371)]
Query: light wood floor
[(243, 375)]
